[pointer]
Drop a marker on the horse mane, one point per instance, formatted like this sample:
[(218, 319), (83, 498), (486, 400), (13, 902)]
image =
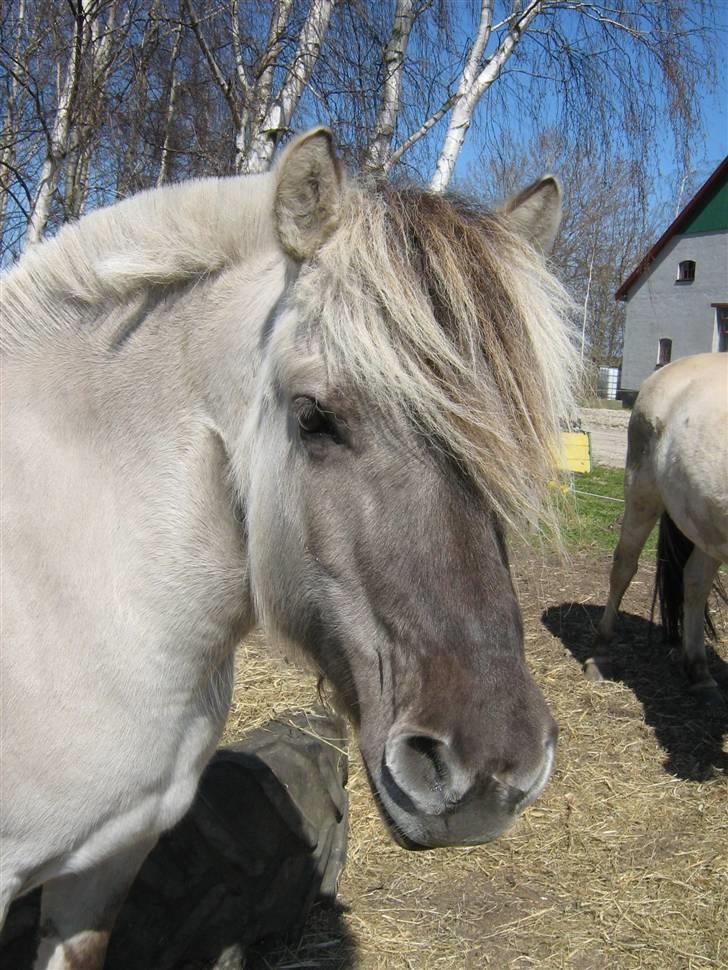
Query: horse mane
[(439, 308)]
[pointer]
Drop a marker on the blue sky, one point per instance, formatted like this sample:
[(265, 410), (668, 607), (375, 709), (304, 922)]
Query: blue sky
[(717, 101), (717, 134), (707, 149)]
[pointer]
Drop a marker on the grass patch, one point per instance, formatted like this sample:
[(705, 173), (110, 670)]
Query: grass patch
[(592, 512)]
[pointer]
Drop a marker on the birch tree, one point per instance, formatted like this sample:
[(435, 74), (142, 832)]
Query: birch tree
[(380, 147), (170, 108), (58, 133), (480, 71), (18, 97), (104, 27), (80, 82), (610, 68), (105, 97), (261, 111)]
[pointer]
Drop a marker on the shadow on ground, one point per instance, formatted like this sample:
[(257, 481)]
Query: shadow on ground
[(690, 732), (326, 944)]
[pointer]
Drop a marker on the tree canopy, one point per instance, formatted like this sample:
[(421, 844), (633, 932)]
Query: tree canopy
[(103, 97)]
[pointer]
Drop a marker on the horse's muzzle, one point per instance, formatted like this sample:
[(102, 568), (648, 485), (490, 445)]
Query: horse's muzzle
[(429, 800)]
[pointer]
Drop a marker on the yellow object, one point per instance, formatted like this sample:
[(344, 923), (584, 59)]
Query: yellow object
[(575, 451)]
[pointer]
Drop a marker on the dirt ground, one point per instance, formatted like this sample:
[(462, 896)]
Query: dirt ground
[(622, 863)]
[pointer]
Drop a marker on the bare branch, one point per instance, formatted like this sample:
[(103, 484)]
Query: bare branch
[(59, 137), (421, 131), (238, 50), (223, 83), (473, 87)]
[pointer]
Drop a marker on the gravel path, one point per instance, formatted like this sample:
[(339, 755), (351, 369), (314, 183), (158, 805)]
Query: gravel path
[(608, 430)]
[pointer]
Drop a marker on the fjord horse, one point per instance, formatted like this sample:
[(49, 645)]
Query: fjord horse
[(294, 400), (677, 472)]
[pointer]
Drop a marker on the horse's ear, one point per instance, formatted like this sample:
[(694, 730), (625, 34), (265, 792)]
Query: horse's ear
[(308, 193), (536, 212)]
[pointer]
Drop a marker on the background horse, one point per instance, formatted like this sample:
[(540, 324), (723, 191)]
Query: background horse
[(677, 470), (286, 399)]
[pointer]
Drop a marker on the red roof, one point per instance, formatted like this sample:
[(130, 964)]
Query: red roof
[(674, 228)]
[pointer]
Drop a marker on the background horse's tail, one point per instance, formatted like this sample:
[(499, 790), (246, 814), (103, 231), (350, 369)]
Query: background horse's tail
[(673, 551)]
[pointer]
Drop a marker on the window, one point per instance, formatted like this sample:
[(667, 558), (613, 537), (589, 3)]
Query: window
[(664, 352), (686, 271), (722, 329)]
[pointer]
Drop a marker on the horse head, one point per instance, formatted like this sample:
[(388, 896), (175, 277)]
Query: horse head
[(404, 406)]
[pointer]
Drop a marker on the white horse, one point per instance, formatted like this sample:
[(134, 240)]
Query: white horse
[(677, 471), (288, 399)]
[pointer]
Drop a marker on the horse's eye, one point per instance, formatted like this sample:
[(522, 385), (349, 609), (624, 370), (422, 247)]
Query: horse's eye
[(314, 421)]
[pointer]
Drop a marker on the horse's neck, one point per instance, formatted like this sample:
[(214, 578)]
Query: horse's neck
[(136, 437), (227, 325), (208, 351), (167, 291)]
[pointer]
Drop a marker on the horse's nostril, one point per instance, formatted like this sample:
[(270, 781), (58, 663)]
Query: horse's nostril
[(422, 773), (539, 783), (431, 750), (424, 770)]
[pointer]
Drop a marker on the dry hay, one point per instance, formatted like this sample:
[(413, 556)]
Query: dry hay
[(622, 863)]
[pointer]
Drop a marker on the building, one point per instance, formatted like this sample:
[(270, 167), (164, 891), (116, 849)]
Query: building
[(677, 297)]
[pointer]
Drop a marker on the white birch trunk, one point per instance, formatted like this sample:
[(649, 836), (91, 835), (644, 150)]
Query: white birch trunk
[(171, 105), (475, 82), (73, 173), (58, 143), (94, 39), (7, 159), (380, 147), (102, 40), (258, 95), (278, 115), (10, 120)]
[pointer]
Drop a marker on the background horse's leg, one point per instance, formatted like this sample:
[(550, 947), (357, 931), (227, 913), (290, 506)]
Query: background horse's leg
[(78, 912), (640, 515), (642, 507), (698, 577)]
